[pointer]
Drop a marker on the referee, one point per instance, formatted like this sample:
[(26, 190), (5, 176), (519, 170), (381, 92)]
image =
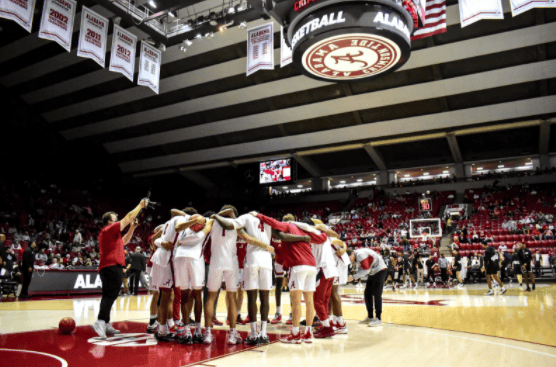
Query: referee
[(112, 261)]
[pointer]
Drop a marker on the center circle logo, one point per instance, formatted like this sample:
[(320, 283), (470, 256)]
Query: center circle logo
[(351, 56)]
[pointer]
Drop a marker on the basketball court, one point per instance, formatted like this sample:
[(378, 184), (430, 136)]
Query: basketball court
[(433, 327)]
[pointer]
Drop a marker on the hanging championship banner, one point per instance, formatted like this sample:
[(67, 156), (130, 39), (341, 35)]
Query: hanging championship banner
[(285, 50), (260, 48), (57, 21), (93, 36), (20, 11), (521, 6), (149, 66), (471, 11), (122, 59)]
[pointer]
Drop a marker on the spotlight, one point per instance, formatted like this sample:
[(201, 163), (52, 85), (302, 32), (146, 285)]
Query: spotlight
[(198, 36), (222, 28), (231, 10), (170, 14), (209, 35), (188, 42), (243, 25), (117, 20), (162, 47), (152, 4)]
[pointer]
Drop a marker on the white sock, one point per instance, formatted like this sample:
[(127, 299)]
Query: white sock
[(263, 327), (308, 329), (334, 318), (207, 329), (171, 323), (198, 327), (279, 310), (162, 329), (154, 316), (295, 330), (341, 320), (326, 323), (253, 328), (233, 330)]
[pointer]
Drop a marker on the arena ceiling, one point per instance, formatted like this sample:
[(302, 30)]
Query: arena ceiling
[(481, 92)]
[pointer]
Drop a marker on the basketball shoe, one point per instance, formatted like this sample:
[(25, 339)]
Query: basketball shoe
[(292, 339)]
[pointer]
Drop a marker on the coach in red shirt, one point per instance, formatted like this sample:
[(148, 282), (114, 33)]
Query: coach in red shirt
[(112, 262)]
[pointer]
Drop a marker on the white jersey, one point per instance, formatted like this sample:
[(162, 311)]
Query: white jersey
[(162, 256), (190, 244), (324, 257), (256, 256), (223, 248)]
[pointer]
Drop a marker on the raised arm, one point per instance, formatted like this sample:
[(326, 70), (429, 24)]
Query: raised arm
[(281, 226), (253, 241), (130, 217), (343, 246), (287, 237), (328, 231), (195, 219), (129, 233), (226, 223)]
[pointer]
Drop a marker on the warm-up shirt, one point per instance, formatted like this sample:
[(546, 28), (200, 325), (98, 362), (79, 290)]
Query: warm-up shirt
[(190, 244), (255, 227), (295, 253), (162, 256), (111, 246), (223, 248), (369, 263)]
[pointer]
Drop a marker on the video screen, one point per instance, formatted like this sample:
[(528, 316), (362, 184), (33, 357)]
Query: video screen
[(276, 171)]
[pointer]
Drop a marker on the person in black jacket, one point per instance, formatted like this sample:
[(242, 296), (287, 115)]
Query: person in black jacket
[(517, 267), (138, 263), (27, 267), (525, 257), (491, 267)]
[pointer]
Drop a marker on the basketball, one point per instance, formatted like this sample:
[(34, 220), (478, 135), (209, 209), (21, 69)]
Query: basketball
[(66, 325)]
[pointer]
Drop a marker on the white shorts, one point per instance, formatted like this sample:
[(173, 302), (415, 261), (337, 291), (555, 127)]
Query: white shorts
[(190, 273), (162, 277), (342, 278), (303, 278), (256, 277), (240, 279), (215, 277), (278, 270)]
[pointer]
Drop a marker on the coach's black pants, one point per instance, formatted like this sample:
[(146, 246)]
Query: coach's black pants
[(111, 277), (134, 277), (27, 276), (430, 275), (444, 274), (373, 293), (538, 269)]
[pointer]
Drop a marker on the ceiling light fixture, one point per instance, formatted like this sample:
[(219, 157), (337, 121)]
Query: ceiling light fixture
[(188, 42), (209, 35), (198, 36), (243, 25), (152, 4), (170, 14), (359, 179)]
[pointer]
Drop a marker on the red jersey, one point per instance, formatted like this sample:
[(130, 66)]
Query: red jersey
[(111, 246), (296, 253), (241, 252), (278, 252)]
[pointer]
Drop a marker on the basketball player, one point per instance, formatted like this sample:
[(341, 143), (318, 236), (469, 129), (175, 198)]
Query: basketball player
[(342, 264), (525, 257), (370, 263), (516, 263), (457, 267), (407, 272), (299, 258), (327, 272), (491, 267), (431, 266), (163, 267), (279, 279), (389, 261), (190, 276), (223, 267), (153, 322), (257, 273)]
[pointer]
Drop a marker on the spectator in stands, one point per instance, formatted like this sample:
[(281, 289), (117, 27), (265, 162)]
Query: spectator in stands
[(502, 249), (536, 234), (56, 265), (552, 260), (41, 256), (77, 239), (26, 237), (548, 234)]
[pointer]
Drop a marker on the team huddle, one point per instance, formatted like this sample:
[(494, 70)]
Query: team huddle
[(315, 260)]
